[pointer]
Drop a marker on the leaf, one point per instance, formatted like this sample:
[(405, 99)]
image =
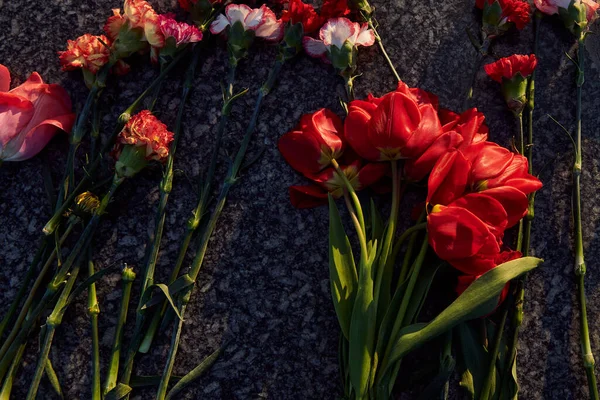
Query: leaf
[(479, 299), (420, 291), (376, 223), (165, 290), (473, 359), (118, 392), (342, 270), (195, 373), (437, 384), (53, 378), (177, 286)]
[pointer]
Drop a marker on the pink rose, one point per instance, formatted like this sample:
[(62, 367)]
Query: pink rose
[(30, 115)]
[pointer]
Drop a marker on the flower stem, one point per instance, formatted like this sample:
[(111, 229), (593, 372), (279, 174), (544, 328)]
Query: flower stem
[(372, 24), (52, 322), (353, 196), (54, 221), (93, 312), (12, 373), (127, 277), (481, 54), (521, 148), (24, 285), (580, 267), (493, 354), (230, 180), (36, 284)]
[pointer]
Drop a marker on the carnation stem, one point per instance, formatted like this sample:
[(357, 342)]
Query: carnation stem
[(93, 311), (12, 373), (519, 283), (10, 348), (123, 118), (167, 182), (127, 278), (36, 284), (52, 322), (230, 180), (481, 54), (580, 267), (28, 276), (372, 23)]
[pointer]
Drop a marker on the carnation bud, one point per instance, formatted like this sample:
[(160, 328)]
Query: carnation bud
[(239, 41), (86, 203), (343, 59), (515, 93), (575, 17)]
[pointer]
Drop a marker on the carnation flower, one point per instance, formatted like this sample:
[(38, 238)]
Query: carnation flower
[(138, 24), (300, 12), (145, 130), (87, 51), (498, 15), (513, 73), (180, 31), (261, 20), (338, 40)]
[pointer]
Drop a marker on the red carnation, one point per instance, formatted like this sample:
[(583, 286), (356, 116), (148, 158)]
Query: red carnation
[(300, 12), (509, 67), (516, 11)]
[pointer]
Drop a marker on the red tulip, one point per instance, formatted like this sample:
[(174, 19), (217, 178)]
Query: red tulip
[(314, 143), (30, 115), (400, 125), (328, 181)]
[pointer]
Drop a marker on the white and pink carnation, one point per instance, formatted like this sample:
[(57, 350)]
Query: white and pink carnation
[(337, 32), (261, 20)]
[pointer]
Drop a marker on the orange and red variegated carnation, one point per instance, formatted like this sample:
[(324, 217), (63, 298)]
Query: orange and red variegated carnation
[(516, 11), (360, 175), (509, 67), (145, 130), (300, 12), (87, 51), (137, 15), (317, 140), (30, 115)]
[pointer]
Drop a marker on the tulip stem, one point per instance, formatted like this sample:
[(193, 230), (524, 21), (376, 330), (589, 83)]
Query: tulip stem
[(231, 178), (521, 148), (372, 25), (580, 267), (493, 354), (353, 196)]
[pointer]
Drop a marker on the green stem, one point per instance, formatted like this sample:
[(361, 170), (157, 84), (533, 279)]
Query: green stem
[(93, 311), (481, 54), (54, 221), (12, 373), (24, 285), (399, 322), (354, 197), (127, 277), (410, 248), (521, 147), (52, 322), (493, 354), (32, 293), (382, 48), (580, 267), (230, 180), (349, 86)]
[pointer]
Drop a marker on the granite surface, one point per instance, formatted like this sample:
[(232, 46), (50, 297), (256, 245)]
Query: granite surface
[(265, 279)]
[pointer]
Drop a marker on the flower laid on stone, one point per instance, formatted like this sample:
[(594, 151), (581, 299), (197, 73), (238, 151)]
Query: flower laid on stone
[(500, 15), (262, 21), (513, 73), (30, 115)]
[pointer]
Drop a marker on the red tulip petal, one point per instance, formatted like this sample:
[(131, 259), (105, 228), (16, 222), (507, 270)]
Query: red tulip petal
[(370, 174), (356, 127), (4, 79), (38, 137), (487, 209), (528, 184), (448, 178), (491, 161), (428, 131), (456, 233), (417, 169), (513, 201), (307, 196), (301, 151)]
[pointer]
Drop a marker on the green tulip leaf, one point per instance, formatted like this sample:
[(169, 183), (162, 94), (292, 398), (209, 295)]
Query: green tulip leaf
[(342, 270), (480, 298)]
